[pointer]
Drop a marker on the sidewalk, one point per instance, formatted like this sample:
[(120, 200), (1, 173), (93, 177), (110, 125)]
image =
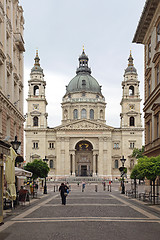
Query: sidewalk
[(20, 207)]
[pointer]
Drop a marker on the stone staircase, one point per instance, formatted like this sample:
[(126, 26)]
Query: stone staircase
[(80, 179)]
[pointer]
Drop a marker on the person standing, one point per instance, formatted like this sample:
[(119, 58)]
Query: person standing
[(63, 191)]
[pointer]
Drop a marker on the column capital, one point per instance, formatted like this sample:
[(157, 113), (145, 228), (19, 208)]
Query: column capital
[(95, 152), (72, 152)]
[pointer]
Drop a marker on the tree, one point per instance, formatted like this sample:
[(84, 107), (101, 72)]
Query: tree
[(136, 174), (38, 168), (138, 153), (149, 168)]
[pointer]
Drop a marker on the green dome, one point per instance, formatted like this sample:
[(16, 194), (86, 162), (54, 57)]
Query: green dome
[(83, 82), (131, 69), (36, 69)]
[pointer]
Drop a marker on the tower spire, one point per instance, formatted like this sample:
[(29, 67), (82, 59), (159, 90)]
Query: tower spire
[(130, 59), (130, 68), (36, 68), (37, 59)]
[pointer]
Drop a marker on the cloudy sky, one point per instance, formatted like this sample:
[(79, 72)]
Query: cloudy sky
[(59, 29)]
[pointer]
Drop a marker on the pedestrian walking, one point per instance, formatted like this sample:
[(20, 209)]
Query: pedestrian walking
[(104, 186), (83, 186), (63, 191), (68, 187)]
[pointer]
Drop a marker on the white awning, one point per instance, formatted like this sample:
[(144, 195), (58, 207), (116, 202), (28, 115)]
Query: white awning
[(22, 172)]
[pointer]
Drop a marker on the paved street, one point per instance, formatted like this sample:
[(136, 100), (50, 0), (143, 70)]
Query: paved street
[(87, 215)]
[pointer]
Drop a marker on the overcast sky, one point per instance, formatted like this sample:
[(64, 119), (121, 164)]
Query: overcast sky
[(60, 28)]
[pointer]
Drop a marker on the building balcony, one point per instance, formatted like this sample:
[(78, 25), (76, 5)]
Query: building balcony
[(2, 12), (9, 65), (2, 57), (8, 26), (19, 41), (16, 77)]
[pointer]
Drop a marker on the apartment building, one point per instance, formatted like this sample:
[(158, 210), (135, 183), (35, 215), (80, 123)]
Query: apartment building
[(11, 71), (148, 33)]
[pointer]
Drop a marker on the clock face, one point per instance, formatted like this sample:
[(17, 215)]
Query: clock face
[(131, 106), (35, 106)]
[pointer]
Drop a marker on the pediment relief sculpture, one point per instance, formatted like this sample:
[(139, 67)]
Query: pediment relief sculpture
[(85, 125)]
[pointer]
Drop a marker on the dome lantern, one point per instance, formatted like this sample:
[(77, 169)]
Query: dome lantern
[(83, 63)]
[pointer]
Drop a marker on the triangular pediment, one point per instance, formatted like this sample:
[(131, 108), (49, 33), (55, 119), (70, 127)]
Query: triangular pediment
[(37, 113), (132, 113), (35, 156), (84, 124), (51, 156), (116, 156)]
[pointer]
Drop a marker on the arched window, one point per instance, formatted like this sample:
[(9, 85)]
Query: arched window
[(51, 163), (75, 114), (83, 113), (116, 163), (91, 114), (131, 163), (131, 121), (36, 91), (101, 114), (35, 121), (131, 91)]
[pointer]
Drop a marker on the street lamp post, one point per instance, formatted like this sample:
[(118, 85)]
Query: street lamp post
[(122, 174), (45, 185), (15, 144)]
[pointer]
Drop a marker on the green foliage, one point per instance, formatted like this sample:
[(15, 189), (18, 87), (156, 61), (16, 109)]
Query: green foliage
[(147, 167), (136, 174), (138, 153), (38, 168)]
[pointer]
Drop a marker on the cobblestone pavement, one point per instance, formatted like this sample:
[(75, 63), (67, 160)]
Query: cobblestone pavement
[(87, 215)]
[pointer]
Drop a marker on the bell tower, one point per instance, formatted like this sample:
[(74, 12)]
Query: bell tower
[(36, 116), (130, 103)]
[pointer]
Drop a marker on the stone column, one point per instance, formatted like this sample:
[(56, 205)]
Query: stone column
[(70, 164), (73, 165), (94, 165)]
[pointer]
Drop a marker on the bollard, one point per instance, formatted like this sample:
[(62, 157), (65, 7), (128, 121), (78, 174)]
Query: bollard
[(95, 188), (54, 188), (108, 188)]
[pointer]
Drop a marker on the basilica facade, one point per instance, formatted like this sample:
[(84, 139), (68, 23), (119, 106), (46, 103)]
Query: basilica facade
[(83, 145)]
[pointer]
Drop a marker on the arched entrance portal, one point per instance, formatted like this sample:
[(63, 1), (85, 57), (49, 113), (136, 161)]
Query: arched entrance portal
[(84, 158)]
